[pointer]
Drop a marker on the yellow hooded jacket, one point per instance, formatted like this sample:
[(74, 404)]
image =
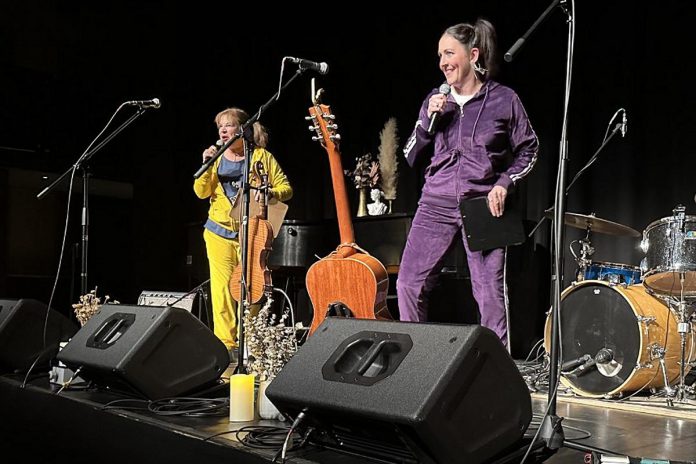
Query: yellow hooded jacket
[(208, 185)]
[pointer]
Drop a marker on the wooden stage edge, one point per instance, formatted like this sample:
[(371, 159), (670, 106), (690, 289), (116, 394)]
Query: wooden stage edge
[(647, 405)]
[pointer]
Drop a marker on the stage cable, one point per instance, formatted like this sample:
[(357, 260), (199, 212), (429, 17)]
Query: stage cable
[(300, 417)]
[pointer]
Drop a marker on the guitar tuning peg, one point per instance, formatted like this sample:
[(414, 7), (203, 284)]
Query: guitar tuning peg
[(329, 116), (332, 126), (312, 128), (335, 137), (315, 138), (309, 118)]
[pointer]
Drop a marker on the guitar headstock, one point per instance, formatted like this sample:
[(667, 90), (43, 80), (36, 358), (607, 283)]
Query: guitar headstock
[(323, 123)]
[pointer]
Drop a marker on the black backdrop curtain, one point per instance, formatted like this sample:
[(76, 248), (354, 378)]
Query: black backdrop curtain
[(66, 68)]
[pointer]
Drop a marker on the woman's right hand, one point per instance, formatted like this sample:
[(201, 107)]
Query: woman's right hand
[(209, 152), (436, 103)]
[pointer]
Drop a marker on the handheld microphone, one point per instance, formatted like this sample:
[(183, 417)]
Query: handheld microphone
[(154, 103), (444, 89), (624, 124), (218, 144), (321, 68)]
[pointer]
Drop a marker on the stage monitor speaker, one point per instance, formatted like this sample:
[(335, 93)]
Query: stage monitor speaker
[(22, 333), (406, 392), (152, 351)]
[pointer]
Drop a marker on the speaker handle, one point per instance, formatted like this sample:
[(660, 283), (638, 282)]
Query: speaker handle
[(110, 330), (393, 346), (369, 358)]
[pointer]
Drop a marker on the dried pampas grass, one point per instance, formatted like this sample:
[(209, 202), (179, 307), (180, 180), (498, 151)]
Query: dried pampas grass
[(388, 163)]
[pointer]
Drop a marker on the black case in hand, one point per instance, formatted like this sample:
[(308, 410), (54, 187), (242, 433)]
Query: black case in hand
[(485, 231)]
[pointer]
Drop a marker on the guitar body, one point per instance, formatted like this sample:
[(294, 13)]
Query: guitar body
[(359, 282)]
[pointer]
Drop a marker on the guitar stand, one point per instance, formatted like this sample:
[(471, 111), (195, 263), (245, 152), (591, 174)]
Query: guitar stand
[(338, 309)]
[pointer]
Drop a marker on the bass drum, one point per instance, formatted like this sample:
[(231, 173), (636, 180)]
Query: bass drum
[(626, 322)]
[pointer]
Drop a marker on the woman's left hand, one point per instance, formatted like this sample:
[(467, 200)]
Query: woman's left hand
[(496, 200), (258, 195)]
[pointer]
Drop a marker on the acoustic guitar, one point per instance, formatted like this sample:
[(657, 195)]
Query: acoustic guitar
[(349, 282)]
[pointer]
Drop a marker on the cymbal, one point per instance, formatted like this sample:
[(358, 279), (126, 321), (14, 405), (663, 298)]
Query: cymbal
[(595, 224)]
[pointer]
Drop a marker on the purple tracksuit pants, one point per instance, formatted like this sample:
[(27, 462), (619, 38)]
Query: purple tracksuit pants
[(432, 231)]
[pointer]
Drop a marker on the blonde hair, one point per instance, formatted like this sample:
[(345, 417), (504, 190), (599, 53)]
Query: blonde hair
[(240, 117)]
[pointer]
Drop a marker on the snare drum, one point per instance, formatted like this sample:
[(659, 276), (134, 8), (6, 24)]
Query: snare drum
[(627, 322), (670, 255), (613, 273)]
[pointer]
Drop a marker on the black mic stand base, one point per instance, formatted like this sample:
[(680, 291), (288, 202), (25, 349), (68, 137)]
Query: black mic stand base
[(525, 451), (552, 432)]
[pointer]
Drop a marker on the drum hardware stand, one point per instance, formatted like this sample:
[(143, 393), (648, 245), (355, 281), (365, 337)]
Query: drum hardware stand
[(658, 352), (684, 328), (586, 252)]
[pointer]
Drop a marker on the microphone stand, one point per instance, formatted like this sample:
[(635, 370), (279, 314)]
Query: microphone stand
[(246, 131), (617, 128), (244, 303), (195, 289), (201, 296), (551, 430), (81, 163)]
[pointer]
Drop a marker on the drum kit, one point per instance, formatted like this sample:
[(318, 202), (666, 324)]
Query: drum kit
[(626, 328)]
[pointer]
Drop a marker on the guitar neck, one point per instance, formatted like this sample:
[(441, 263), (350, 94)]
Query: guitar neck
[(325, 126), (260, 171), (263, 206), (345, 225)]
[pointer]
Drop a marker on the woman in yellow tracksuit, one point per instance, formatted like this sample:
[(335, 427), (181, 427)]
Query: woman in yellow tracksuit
[(221, 184)]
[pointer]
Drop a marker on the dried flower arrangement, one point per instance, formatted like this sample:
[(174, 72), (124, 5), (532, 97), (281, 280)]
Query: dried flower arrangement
[(88, 306), (270, 343), (366, 173), (386, 157)]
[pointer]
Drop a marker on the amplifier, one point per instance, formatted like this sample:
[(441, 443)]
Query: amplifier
[(163, 298)]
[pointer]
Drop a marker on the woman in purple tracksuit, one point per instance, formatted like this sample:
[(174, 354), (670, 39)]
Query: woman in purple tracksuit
[(483, 145)]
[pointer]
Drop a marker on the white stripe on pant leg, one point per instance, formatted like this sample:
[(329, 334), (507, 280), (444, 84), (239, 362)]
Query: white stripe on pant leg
[(507, 302)]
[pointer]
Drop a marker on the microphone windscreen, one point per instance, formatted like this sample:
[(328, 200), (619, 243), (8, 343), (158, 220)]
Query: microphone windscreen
[(445, 89)]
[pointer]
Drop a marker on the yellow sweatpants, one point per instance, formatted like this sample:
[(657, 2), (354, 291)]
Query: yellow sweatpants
[(223, 256)]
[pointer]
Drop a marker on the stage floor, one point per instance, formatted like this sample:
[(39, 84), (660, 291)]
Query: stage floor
[(627, 432), (77, 425)]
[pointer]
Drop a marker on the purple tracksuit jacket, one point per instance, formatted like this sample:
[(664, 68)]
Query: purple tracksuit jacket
[(488, 141)]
